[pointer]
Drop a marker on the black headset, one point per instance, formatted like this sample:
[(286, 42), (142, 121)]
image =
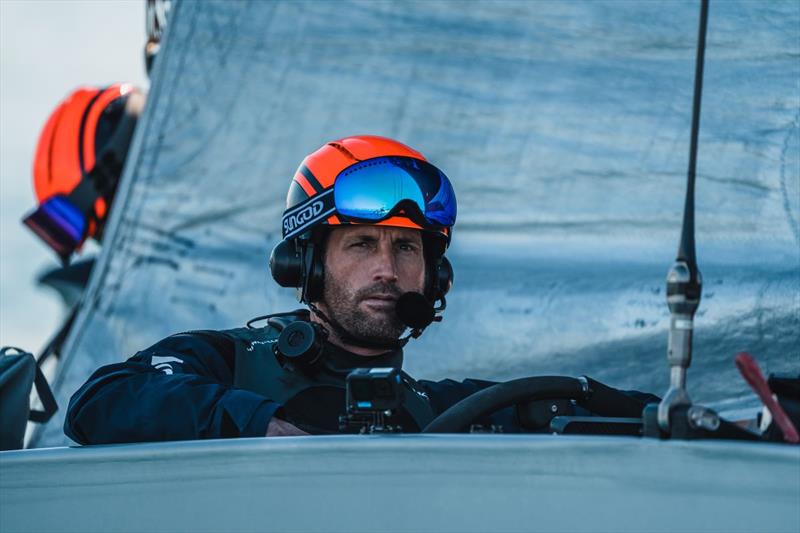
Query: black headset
[(297, 262)]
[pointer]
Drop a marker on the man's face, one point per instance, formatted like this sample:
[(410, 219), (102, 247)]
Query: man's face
[(366, 269)]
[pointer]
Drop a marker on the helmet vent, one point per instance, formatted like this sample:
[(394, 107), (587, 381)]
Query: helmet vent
[(345, 151)]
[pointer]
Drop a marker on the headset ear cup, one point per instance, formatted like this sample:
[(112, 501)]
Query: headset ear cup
[(443, 278), (285, 264)]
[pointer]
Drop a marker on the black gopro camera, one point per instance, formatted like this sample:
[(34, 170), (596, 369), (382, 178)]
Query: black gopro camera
[(374, 389), (373, 396)]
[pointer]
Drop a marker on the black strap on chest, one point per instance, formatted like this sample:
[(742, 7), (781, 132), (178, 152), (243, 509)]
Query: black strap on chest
[(257, 369)]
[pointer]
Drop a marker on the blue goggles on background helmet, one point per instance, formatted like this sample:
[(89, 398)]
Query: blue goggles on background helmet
[(60, 224), (377, 189)]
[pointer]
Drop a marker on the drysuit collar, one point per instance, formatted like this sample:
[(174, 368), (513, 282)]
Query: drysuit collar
[(336, 359), (341, 361)]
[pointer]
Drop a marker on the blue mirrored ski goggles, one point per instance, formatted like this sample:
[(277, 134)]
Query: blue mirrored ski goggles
[(60, 224), (377, 189), (373, 190)]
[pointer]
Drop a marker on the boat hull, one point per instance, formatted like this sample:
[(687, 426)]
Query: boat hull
[(404, 483)]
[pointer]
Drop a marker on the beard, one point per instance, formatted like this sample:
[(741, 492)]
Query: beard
[(343, 307)]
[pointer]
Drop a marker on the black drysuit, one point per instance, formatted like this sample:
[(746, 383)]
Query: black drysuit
[(182, 388)]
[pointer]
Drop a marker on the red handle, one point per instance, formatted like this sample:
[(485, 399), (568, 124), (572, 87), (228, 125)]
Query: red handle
[(752, 374)]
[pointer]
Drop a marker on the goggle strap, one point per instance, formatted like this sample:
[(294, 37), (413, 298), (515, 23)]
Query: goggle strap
[(119, 144), (107, 170), (305, 215), (84, 196)]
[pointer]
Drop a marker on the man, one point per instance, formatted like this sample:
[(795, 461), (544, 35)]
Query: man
[(367, 224), (77, 166)]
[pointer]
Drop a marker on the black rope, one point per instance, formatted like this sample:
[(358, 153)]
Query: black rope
[(55, 344)]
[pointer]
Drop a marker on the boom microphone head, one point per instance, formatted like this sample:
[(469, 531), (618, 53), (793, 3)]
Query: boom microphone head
[(414, 310)]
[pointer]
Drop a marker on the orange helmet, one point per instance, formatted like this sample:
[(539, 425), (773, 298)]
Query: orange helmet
[(363, 179), (373, 180), (79, 158)]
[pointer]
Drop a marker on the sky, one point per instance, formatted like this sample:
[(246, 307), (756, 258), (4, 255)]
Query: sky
[(48, 48)]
